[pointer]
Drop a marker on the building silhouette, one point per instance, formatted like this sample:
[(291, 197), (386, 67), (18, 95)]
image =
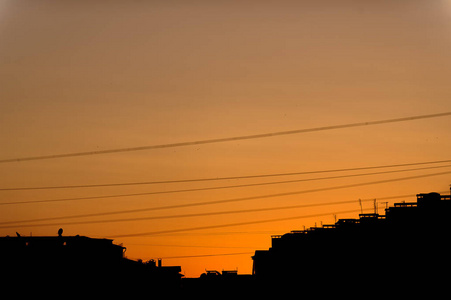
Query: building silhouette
[(227, 282), (79, 264), (405, 251), (408, 248)]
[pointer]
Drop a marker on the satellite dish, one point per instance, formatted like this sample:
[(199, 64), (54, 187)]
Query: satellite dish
[(60, 232)]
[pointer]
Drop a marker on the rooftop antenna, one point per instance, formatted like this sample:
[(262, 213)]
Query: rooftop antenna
[(375, 206), (361, 208)]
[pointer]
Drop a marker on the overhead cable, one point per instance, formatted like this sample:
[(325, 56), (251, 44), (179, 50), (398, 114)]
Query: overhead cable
[(250, 210), (20, 222), (226, 139), (149, 233), (222, 178), (213, 188), (206, 255), (214, 202)]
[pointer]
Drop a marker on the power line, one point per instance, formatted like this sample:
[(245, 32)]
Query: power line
[(229, 224), (195, 214), (188, 246), (220, 233), (227, 139), (215, 188), (206, 255), (17, 223), (186, 215), (214, 202), (223, 178)]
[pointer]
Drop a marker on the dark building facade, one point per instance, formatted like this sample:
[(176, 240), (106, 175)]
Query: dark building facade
[(409, 244), (78, 264), (215, 283)]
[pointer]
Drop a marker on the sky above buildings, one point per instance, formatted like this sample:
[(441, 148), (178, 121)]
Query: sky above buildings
[(82, 76)]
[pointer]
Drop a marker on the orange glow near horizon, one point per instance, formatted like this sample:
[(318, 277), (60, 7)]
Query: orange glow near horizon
[(85, 76)]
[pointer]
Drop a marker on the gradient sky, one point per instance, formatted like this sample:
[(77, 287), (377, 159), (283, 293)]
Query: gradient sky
[(92, 75)]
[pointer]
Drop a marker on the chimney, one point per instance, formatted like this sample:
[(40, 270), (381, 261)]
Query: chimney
[(159, 262)]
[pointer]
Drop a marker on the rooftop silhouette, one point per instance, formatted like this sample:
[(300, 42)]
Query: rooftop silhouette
[(408, 244), (79, 264)]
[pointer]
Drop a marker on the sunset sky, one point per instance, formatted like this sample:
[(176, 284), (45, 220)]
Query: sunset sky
[(82, 76)]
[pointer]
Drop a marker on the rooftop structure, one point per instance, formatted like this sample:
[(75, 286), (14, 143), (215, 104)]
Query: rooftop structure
[(78, 263), (411, 238)]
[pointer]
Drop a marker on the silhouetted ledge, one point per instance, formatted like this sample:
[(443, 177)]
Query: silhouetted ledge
[(405, 251), (79, 263), (228, 282), (408, 248)]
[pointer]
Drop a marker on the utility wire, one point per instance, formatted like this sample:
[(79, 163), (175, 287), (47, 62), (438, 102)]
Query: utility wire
[(227, 139), (17, 223), (216, 188), (214, 202), (193, 204), (229, 224), (187, 215), (223, 178), (216, 233), (189, 246), (206, 255)]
